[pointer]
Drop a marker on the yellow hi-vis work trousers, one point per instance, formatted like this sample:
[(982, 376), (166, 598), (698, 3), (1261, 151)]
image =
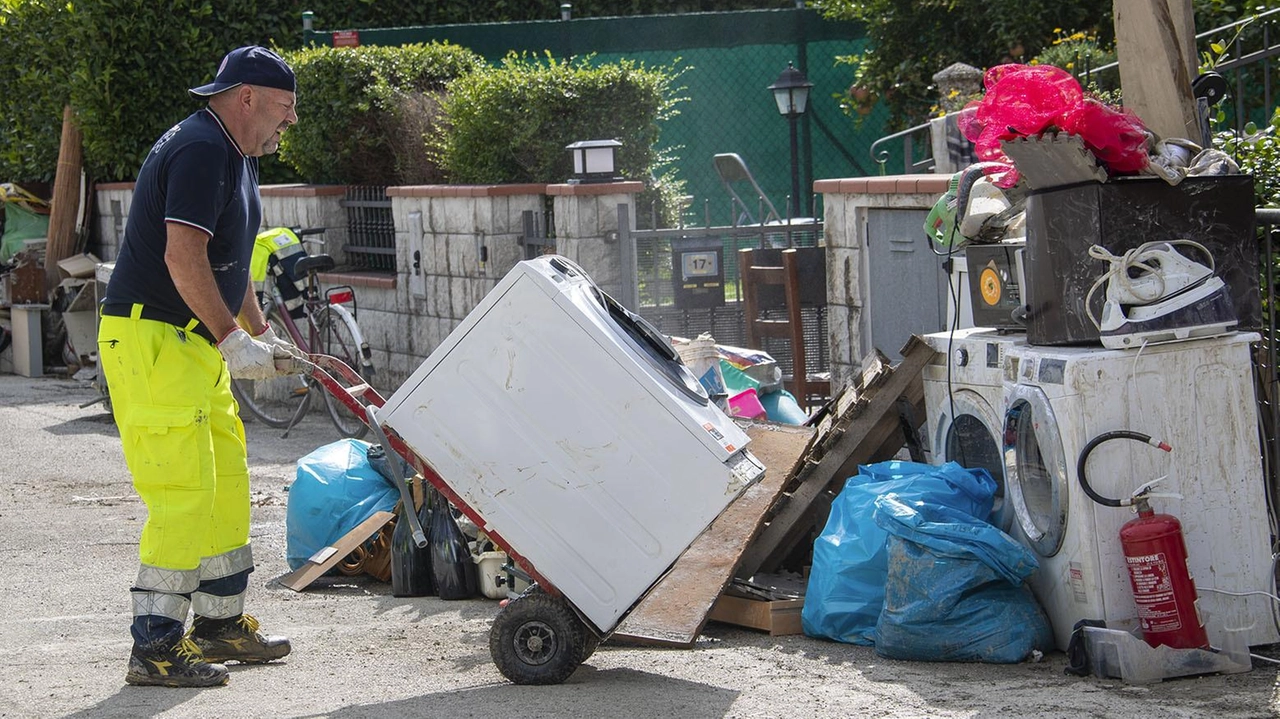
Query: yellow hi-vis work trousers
[(184, 444)]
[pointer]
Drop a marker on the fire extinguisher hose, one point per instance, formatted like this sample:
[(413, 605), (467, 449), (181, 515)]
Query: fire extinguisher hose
[(1107, 437)]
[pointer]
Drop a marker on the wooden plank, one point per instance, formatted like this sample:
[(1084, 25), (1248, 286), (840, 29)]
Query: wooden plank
[(873, 425), (1155, 46), (778, 617), (673, 612), (325, 559)]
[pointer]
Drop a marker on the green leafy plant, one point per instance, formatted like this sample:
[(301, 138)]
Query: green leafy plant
[(366, 113), (511, 123), (34, 70), (910, 40), (1257, 152)]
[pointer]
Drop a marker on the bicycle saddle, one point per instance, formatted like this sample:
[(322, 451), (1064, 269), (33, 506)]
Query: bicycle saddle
[(314, 263)]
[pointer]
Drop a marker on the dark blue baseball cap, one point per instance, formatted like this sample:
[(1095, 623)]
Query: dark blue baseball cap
[(250, 65)]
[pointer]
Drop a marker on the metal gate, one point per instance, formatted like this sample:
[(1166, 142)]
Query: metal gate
[(687, 282)]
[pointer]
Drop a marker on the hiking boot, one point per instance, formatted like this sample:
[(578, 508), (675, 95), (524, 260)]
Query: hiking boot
[(236, 638), (180, 665)]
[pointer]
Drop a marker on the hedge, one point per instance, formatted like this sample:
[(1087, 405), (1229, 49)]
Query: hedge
[(512, 123), (362, 112)]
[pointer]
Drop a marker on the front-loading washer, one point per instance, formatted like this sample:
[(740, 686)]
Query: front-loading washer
[(964, 404), (1197, 396)]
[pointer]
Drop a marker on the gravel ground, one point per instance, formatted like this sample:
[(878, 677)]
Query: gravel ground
[(69, 525)]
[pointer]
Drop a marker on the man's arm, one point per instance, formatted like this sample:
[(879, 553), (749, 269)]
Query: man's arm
[(185, 256), (251, 312)]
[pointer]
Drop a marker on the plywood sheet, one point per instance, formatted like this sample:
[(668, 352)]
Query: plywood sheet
[(327, 558), (673, 612)]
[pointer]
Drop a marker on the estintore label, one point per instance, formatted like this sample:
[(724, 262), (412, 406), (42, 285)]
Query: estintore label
[(1153, 593)]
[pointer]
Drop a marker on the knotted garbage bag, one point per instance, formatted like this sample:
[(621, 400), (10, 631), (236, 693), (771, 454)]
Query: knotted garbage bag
[(955, 590), (850, 562)]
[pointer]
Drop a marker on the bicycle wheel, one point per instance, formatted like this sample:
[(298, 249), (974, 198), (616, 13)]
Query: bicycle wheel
[(339, 336), (278, 402)]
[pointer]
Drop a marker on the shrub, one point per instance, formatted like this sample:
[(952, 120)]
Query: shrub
[(34, 69), (512, 123), (135, 59), (363, 111)]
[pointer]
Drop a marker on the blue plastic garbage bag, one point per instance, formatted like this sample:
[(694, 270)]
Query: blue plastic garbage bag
[(850, 563), (334, 491), (956, 589)]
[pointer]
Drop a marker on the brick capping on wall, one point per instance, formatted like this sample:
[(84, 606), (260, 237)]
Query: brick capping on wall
[(359, 279), (888, 185), (466, 190), (298, 190), (596, 188)]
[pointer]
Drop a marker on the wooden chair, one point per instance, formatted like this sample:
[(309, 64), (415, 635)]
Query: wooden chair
[(768, 271)]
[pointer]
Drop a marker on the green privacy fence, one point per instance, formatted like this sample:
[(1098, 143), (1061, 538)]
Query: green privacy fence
[(729, 61)]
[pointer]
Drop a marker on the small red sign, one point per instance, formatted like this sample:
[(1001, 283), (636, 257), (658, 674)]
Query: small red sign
[(346, 38)]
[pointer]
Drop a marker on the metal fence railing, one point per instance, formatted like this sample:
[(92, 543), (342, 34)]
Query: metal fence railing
[(1268, 374), (660, 293)]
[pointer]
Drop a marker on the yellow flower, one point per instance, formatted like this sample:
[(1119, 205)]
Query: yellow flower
[(953, 93), (1033, 61), (1070, 65)]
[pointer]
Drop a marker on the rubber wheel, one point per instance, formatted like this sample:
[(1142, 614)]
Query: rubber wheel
[(537, 639)]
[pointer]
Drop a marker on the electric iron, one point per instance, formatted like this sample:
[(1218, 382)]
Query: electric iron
[(1157, 294)]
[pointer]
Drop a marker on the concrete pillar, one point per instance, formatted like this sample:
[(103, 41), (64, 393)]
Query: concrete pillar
[(587, 228)]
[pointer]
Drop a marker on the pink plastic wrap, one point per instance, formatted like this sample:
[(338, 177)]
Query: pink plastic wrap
[(1026, 100)]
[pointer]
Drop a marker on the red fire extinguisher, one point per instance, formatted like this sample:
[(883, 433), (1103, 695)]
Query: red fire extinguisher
[(1156, 555)]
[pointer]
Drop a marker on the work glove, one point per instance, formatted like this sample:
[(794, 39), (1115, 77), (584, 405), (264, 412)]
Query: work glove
[(248, 358), (269, 336)]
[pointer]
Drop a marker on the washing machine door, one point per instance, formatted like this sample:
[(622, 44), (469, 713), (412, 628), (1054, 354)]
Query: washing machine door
[(1036, 469), (969, 435)]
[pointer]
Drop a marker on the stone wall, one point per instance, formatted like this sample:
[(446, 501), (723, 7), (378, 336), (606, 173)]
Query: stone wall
[(587, 228), (453, 244)]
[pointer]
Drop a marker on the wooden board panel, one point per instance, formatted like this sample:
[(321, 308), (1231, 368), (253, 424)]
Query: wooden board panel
[(862, 439), (1156, 48), (325, 559), (777, 617), (673, 612)]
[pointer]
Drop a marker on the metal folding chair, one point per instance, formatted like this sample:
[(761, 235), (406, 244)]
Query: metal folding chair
[(733, 171)]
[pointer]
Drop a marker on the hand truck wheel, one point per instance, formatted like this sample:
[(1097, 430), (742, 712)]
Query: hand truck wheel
[(538, 639)]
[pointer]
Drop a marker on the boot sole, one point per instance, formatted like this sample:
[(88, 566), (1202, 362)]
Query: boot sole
[(245, 659), (146, 680)]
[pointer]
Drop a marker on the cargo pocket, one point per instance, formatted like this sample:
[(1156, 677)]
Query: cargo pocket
[(169, 446)]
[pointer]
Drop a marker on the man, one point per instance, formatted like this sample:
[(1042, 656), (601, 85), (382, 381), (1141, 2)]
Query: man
[(168, 342)]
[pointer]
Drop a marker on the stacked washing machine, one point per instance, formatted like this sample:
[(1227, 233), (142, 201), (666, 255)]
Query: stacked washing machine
[(1023, 404)]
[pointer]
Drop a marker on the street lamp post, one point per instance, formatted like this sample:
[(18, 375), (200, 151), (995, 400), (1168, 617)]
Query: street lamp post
[(791, 92)]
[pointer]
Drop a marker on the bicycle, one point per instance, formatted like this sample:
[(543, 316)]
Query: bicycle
[(315, 322)]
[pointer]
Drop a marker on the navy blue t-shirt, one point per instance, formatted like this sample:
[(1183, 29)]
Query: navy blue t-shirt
[(195, 175)]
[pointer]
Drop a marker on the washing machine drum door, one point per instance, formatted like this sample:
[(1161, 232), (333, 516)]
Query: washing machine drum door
[(972, 440), (1036, 469)]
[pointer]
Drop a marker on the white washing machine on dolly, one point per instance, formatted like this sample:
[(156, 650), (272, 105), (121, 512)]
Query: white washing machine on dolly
[(964, 404), (569, 430), (1197, 396)]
